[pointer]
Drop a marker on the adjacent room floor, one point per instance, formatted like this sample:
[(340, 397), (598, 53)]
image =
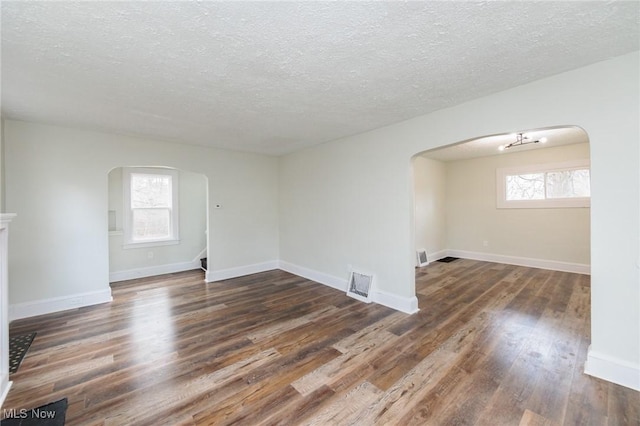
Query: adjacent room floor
[(492, 344)]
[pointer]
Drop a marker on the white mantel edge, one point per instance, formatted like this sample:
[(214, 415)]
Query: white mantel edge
[(5, 384)]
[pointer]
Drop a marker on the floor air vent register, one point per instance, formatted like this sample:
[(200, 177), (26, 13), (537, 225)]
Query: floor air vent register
[(422, 257), (360, 286)]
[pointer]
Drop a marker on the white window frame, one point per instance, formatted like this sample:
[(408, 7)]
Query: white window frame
[(173, 238), (573, 202)]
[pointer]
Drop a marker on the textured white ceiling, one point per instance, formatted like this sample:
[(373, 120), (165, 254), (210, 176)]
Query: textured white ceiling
[(274, 77)]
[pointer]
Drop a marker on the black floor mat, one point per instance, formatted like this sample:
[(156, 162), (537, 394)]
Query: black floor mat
[(448, 259), (18, 347)]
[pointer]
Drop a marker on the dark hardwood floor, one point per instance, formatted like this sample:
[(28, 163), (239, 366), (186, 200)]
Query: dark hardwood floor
[(492, 345)]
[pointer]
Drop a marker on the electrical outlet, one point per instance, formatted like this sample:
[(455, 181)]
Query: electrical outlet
[(485, 243), (150, 255)]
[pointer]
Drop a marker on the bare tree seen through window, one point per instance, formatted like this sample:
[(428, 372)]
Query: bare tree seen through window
[(568, 184), (525, 187), (151, 197), (553, 184)]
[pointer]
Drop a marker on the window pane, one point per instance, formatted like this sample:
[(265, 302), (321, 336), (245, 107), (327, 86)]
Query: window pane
[(151, 224), (568, 184), (150, 191), (525, 187)]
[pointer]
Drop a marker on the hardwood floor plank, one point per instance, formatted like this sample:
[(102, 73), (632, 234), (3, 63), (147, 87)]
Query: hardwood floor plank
[(152, 402), (403, 395), (529, 418), (298, 409), (353, 358), (347, 408), (624, 407), (265, 333), (529, 378), (271, 378)]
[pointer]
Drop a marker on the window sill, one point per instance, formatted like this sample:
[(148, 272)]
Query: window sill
[(549, 203), (150, 244)]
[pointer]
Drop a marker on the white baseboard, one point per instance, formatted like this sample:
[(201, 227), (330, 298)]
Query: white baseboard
[(553, 265), (225, 274), (408, 305), (432, 257), (404, 304), (319, 277), (151, 271), (55, 304), (611, 369)]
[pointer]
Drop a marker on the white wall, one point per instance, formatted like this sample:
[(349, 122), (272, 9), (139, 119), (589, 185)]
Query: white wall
[(557, 234), (339, 208), (56, 181), (350, 200), (429, 177), (192, 217)]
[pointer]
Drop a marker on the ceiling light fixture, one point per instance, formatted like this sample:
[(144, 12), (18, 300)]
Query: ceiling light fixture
[(521, 139)]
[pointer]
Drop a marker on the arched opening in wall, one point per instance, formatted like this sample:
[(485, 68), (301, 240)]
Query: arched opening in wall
[(157, 221), (518, 198)]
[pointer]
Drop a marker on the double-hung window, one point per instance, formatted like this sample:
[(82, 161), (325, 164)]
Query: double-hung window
[(544, 186), (151, 207)]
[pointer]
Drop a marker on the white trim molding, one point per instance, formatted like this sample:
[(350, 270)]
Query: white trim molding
[(612, 369), (437, 255), (554, 265), (225, 274), (151, 271), (56, 304), (5, 384), (408, 305), (319, 277)]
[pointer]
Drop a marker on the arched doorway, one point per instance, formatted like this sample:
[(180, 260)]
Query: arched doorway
[(157, 255), (456, 200)]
